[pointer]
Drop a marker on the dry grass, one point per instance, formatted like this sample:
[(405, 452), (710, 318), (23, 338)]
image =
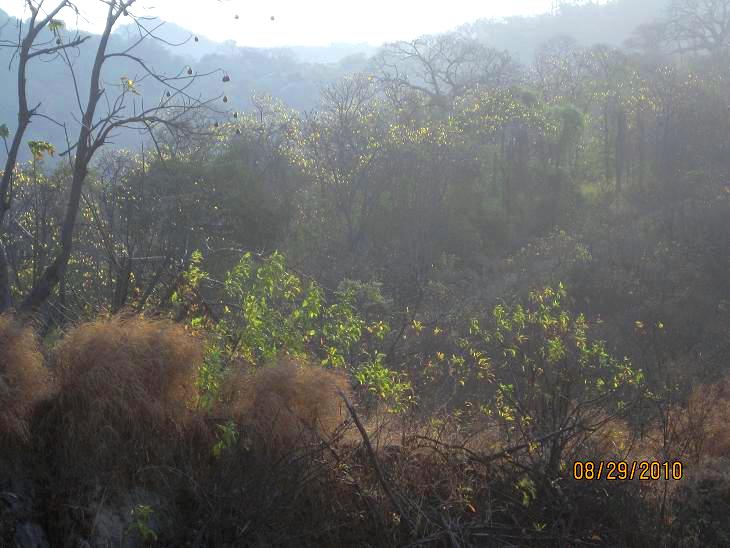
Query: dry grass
[(24, 380), (125, 389), (707, 420), (124, 417), (277, 476), (286, 402), (694, 431)]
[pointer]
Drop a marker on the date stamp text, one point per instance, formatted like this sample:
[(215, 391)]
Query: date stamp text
[(627, 470)]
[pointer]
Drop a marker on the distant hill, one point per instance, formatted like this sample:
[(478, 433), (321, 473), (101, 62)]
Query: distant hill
[(293, 74), (587, 22), (285, 73), (184, 40), (334, 53)]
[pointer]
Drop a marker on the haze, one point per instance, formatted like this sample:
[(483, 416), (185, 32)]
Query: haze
[(410, 274), (315, 23)]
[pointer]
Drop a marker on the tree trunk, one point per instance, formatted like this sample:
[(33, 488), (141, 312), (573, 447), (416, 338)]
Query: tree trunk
[(6, 301), (55, 272), (121, 288), (606, 145), (24, 116), (85, 150), (642, 153), (7, 177), (620, 147)]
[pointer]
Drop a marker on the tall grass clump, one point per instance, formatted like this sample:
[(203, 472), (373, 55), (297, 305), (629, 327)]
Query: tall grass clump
[(126, 391), (286, 402), (274, 467), (24, 380)]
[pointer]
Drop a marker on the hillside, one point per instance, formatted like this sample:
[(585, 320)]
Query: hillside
[(296, 74), (282, 73), (444, 295), (588, 23)]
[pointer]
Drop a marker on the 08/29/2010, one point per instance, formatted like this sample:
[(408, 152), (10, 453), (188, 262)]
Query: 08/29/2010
[(624, 470)]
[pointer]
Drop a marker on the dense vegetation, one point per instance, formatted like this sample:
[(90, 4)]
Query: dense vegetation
[(396, 319)]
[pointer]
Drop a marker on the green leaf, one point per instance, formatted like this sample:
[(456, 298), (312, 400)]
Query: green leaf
[(38, 148), (56, 25), (527, 487), (4, 131)]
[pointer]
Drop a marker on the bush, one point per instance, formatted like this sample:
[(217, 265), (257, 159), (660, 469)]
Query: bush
[(706, 429), (286, 402), (694, 431), (126, 388), (546, 381), (701, 506), (24, 380), (270, 468)]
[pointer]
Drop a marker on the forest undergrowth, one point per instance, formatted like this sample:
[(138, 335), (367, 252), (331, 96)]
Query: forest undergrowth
[(124, 445)]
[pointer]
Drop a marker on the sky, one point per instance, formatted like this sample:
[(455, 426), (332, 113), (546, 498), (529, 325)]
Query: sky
[(306, 22)]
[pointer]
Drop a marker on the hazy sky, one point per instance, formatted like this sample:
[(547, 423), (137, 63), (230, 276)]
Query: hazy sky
[(309, 22)]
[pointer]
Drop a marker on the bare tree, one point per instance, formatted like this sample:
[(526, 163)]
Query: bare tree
[(699, 25), (339, 141), (560, 68), (442, 66), (26, 50), (125, 107)]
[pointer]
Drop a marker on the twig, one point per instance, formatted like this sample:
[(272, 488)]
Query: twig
[(380, 474)]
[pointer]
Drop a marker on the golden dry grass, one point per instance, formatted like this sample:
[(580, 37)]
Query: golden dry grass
[(286, 401), (708, 413), (24, 380), (700, 429), (697, 430), (125, 393)]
